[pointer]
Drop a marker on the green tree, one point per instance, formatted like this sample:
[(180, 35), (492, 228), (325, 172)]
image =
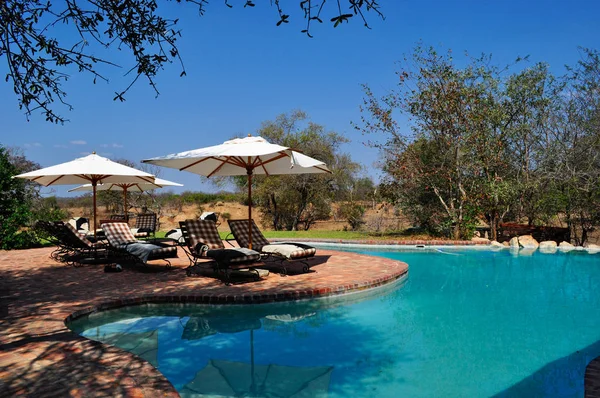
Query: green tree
[(39, 62), (293, 202), (571, 165), (437, 169), (15, 204)]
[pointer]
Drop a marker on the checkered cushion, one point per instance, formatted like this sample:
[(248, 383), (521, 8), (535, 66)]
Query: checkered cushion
[(77, 236), (118, 217), (234, 256), (203, 232), (118, 233), (239, 229), (146, 222), (290, 250)]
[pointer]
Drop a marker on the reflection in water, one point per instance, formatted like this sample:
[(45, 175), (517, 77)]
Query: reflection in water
[(227, 378), (474, 324)]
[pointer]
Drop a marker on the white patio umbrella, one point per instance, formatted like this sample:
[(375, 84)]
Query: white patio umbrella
[(127, 187), (91, 169), (250, 155)]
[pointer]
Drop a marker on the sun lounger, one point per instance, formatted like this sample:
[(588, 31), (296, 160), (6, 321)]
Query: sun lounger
[(145, 225), (73, 247), (122, 241), (203, 242), (284, 251)]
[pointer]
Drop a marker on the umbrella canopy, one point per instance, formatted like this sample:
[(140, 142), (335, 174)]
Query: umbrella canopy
[(91, 169), (128, 187), (249, 156), (240, 379)]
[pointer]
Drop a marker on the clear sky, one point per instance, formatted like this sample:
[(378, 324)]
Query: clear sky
[(243, 70)]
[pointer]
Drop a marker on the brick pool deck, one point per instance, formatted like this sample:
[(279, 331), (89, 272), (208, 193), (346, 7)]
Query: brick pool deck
[(40, 357)]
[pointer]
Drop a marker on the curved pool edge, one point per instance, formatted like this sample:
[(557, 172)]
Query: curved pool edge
[(342, 291)]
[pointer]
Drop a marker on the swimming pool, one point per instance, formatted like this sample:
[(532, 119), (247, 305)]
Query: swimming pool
[(465, 323)]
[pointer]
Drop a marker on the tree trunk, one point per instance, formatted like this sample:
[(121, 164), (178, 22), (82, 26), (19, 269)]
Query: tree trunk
[(456, 232), (493, 220), (275, 218)]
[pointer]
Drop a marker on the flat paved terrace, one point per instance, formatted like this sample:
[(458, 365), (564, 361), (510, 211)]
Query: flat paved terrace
[(40, 357)]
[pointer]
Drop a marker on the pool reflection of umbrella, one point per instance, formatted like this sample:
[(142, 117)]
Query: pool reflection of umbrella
[(127, 187), (236, 379), (230, 378)]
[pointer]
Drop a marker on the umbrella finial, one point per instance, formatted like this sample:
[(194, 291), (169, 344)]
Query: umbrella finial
[(249, 135), (93, 152)]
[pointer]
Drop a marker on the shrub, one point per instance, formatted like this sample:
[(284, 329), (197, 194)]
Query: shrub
[(353, 213)]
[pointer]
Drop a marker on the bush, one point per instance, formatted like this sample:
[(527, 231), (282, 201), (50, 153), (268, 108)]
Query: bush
[(353, 213), (15, 200)]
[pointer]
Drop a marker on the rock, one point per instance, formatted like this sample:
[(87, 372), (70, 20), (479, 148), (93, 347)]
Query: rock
[(592, 248), (579, 248), (477, 239), (505, 244), (548, 247), (527, 242), (476, 234), (565, 247), (497, 244), (527, 251), (514, 242)]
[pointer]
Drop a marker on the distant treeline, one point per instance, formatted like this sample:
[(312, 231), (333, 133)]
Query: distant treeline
[(187, 197)]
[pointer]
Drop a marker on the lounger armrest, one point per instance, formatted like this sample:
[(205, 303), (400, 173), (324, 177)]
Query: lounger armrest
[(200, 249), (230, 238)]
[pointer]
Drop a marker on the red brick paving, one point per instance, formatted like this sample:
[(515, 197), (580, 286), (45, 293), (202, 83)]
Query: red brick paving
[(40, 357)]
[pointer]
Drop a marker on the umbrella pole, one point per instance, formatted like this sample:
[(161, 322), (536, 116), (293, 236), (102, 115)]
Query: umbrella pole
[(249, 172), (252, 378), (94, 196), (125, 204)]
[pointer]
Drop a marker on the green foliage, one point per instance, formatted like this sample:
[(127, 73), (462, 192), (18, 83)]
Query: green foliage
[(293, 202), (39, 64), (206, 198), (48, 209), (485, 145), (353, 213), (14, 206)]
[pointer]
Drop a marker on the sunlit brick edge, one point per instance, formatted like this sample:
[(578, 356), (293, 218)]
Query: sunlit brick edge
[(244, 298)]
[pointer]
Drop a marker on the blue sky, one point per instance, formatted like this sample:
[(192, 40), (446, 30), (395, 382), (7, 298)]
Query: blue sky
[(243, 70)]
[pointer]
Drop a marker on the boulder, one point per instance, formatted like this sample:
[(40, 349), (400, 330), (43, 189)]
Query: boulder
[(505, 244), (592, 248), (514, 242), (548, 247), (528, 242), (497, 244), (478, 239), (565, 247), (527, 251)]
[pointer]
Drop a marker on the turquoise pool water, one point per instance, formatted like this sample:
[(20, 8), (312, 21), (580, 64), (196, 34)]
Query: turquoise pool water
[(468, 323)]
